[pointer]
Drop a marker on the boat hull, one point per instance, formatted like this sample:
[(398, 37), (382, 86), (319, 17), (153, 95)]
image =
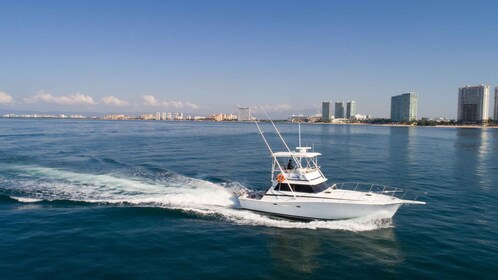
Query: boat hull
[(319, 210)]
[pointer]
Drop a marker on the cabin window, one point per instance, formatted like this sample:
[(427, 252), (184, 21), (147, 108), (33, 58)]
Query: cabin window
[(301, 188), (283, 187), (320, 187)]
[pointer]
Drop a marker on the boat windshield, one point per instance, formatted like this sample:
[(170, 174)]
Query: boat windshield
[(301, 188)]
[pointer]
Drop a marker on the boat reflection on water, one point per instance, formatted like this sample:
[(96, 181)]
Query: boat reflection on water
[(295, 250), (379, 246), (307, 251)]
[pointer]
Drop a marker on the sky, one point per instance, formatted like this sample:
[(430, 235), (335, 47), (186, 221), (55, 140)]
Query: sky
[(201, 57)]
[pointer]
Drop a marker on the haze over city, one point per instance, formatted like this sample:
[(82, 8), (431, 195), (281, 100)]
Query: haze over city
[(214, 56)]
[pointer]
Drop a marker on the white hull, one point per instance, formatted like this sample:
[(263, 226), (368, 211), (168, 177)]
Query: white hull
[(324, 208)]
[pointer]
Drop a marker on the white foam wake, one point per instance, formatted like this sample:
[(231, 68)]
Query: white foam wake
[(50, 184), (173, 191), (26, 199)]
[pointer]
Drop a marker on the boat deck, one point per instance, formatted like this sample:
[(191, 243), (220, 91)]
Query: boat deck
[(342, 192)]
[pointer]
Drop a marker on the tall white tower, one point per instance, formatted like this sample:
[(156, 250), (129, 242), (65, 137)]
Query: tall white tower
[(244, 114)]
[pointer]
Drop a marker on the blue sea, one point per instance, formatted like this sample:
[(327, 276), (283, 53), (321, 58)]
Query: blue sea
[(83, 199)]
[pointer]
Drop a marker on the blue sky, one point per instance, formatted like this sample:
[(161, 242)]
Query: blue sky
[(211, 56)]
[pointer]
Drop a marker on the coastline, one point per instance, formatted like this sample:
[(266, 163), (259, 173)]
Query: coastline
[(276, 121), (407, 125)]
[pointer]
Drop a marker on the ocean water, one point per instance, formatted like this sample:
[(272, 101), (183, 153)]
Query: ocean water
[(156, 200)]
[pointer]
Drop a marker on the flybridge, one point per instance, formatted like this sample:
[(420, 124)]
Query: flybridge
[(297, 154), (302, 166)]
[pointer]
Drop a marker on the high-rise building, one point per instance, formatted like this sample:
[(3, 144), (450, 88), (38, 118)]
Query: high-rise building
[(244, 114), (473, 104), (495, 118), (178, 116), (404, 107), (326, 113), (350, 109), (230, 117), (340, 112)]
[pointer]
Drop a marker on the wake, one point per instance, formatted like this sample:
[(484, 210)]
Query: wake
[(31, 184)]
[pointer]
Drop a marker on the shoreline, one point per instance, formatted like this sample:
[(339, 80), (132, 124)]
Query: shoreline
[(408, 125), (276, 121)]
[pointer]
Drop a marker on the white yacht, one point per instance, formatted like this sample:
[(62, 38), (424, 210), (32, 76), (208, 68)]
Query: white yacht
[(300, 190)]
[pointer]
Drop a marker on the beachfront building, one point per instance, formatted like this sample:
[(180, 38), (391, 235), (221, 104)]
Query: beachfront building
[(404, 107), (495, 117), (115, 117), (230, 117), (179, 116), (216, 117), (148, 117), (473, 104), (350, 109), (244, 114), (340, 110), (326, 113)]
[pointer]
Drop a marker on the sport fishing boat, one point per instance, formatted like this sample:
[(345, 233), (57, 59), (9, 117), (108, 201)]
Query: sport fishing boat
[(300, 190)]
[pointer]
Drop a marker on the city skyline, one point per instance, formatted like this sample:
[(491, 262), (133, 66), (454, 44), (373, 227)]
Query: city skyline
[(101, 57), (474, 107), (342, 109)]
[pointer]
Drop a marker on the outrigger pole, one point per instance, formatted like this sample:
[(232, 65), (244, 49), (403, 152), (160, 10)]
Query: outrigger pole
[(281, 138), (264, 138), (274, 157)]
